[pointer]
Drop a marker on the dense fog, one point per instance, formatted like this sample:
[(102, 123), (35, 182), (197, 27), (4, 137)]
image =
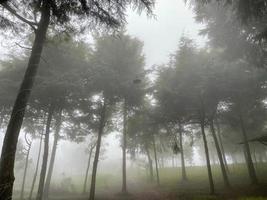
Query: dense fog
[(143, 99)]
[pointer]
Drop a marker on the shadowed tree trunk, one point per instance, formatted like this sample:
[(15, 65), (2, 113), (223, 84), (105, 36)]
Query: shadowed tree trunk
[(202, 125), (224, 174), (156, 159), (207, 157), (1, 117), (124, 145), (12, 133), (247, 152), (150, 164), (184, 177), (37, 166), (221, 144), (97, 151), (45, 154), (29, 144), (53, 155), (88, 166)]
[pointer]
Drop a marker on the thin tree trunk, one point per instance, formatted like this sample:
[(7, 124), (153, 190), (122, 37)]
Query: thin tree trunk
[(150, 164), (53, 155), (184, 177), (37, 166), (250, 166), (98, 144), (45, 154), (156, 159), (12, 133), (220, 156), (221, 144), (207, 157), (124, 146), (255, 158), (87, 169), (202, 116), (1, 117), (25, 172)]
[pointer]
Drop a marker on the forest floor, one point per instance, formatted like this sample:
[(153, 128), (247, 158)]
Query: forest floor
[(172, 188)]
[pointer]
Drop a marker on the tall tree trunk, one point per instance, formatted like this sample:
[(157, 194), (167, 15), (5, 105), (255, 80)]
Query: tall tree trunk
[(37, 166), (207, 157), (97, 151), (45, 154), (202, 116), (150, 164), (87, 168), (12, 133), (255, 158), (184, 177), (247, 152), (25, 172), (221, 144), (2, 117), (224, 174), (124, 146), (156, 159), (53, 155)]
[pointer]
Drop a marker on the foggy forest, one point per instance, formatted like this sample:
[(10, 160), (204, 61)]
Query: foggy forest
[(133, 99)]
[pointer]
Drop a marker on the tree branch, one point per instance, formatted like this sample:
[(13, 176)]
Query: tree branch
[(12, 11), (28, 48)]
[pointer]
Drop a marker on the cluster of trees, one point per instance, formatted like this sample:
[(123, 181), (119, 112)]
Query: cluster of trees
[(39, 17), (217, 93), (78, 92)]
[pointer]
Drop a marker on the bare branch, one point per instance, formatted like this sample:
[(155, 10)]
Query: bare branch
[(13, 11), (28, 48)]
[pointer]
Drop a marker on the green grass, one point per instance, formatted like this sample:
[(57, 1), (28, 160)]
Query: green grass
[(171, 187)]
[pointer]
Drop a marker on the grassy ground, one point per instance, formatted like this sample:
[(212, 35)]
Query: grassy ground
[(172, 188)]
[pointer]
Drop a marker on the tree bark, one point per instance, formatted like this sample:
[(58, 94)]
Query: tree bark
[(221, 144), (97, 151), (220, 156), (184, 177), (156, 159), (37, 166), (53, 155), (87, 168), (247, 152), (255, 158), (12, 133), (2, 117), (25, 173), (207, 157), (45, 154), (124, 146), (150, 164)]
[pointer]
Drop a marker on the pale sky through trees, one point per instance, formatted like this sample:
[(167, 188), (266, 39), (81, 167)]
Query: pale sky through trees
[(172, 19), (133, 99), (161, 37)]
